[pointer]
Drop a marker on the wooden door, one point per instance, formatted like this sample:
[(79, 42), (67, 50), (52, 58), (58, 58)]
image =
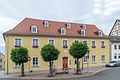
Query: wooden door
[(65, 62)]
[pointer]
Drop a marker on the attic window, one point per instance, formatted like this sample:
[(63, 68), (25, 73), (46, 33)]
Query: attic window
[(82, 32), (99, 33), (68, 25), (46, 23), (63, 31), (34, 29), (83, 26)]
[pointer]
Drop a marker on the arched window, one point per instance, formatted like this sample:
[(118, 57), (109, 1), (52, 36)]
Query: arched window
[(46, 23), (68, 25), (34, 29), (82, 32), (63, 31), (99, 33)]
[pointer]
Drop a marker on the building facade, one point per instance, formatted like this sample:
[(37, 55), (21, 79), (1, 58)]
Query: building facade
[(115, 41), (2, 61), (34, 34)]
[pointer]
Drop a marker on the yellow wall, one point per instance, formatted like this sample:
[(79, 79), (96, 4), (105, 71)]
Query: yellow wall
[(27, 42)]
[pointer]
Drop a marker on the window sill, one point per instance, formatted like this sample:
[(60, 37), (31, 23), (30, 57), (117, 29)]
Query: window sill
[(65, 46), (35, 46), (17, 46), (94, 62), (35, 66), (93, 46), (102, 46)]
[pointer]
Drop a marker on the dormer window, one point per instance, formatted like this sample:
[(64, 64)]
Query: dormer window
[(99, 33), (63, 31), (82, 32), (83, 26), (34, 29), (46, 23), (68, 25)]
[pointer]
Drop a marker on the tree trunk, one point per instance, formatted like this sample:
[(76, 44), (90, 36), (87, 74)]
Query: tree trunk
[(82, 63), (78, 67), (50, 69), (22, 69)]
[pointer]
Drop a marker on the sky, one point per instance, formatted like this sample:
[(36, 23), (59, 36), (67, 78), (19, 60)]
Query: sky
[(102, 13)]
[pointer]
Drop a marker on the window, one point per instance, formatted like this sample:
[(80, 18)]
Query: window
[(99, 33), (17, 42), (34, 29), (85, 59), (102, 44), (119, 47), (84, 42), (93, 58), (65, 44), (68, 25), (46, 23), (119, 55), (35, 43), (82, 32), (76, 41), (17, 65), (103, 58), (63, 31), (35, 61), (51, 41), (115, 46), (115, 56), (93, 44), (83, 26)]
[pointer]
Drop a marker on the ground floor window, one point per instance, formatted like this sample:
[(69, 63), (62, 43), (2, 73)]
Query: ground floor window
[(17, 65), (35, 61), (94, 58), (103, 58), (115, 56), (85, 59)]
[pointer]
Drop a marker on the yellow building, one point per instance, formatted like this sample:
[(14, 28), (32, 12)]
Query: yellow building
[(34, 34)]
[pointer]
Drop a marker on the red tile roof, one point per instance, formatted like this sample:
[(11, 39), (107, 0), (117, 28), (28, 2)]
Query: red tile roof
[(23, 28)]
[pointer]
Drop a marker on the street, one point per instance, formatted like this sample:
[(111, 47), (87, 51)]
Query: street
[(109, 74)]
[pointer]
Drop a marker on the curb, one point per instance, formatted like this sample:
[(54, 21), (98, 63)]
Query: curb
[(59, 78)]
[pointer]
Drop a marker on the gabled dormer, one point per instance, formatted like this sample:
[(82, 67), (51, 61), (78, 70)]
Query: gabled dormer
[(99, 33), (63, 31), (83, 26), (34, 29), (46, 23), (82, 32), (68, 25)]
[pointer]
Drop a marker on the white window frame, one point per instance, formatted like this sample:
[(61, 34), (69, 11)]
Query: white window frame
[(62, 42), (94, 60), (46, 23), (69, 25), (115, 54), (95, 43), (38, 41), (17, 66), (86, 41), (85, 59), (100, 33), (64, 31), (32, 27), (102, 58), (53, 41), (101, 43), (38, 62), (82, 31), (114, 46), (15, 41)]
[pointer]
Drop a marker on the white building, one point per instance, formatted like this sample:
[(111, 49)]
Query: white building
[(115, 41)]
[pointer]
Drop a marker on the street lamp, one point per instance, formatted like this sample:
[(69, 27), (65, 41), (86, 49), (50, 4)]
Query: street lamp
[(88, 61)]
